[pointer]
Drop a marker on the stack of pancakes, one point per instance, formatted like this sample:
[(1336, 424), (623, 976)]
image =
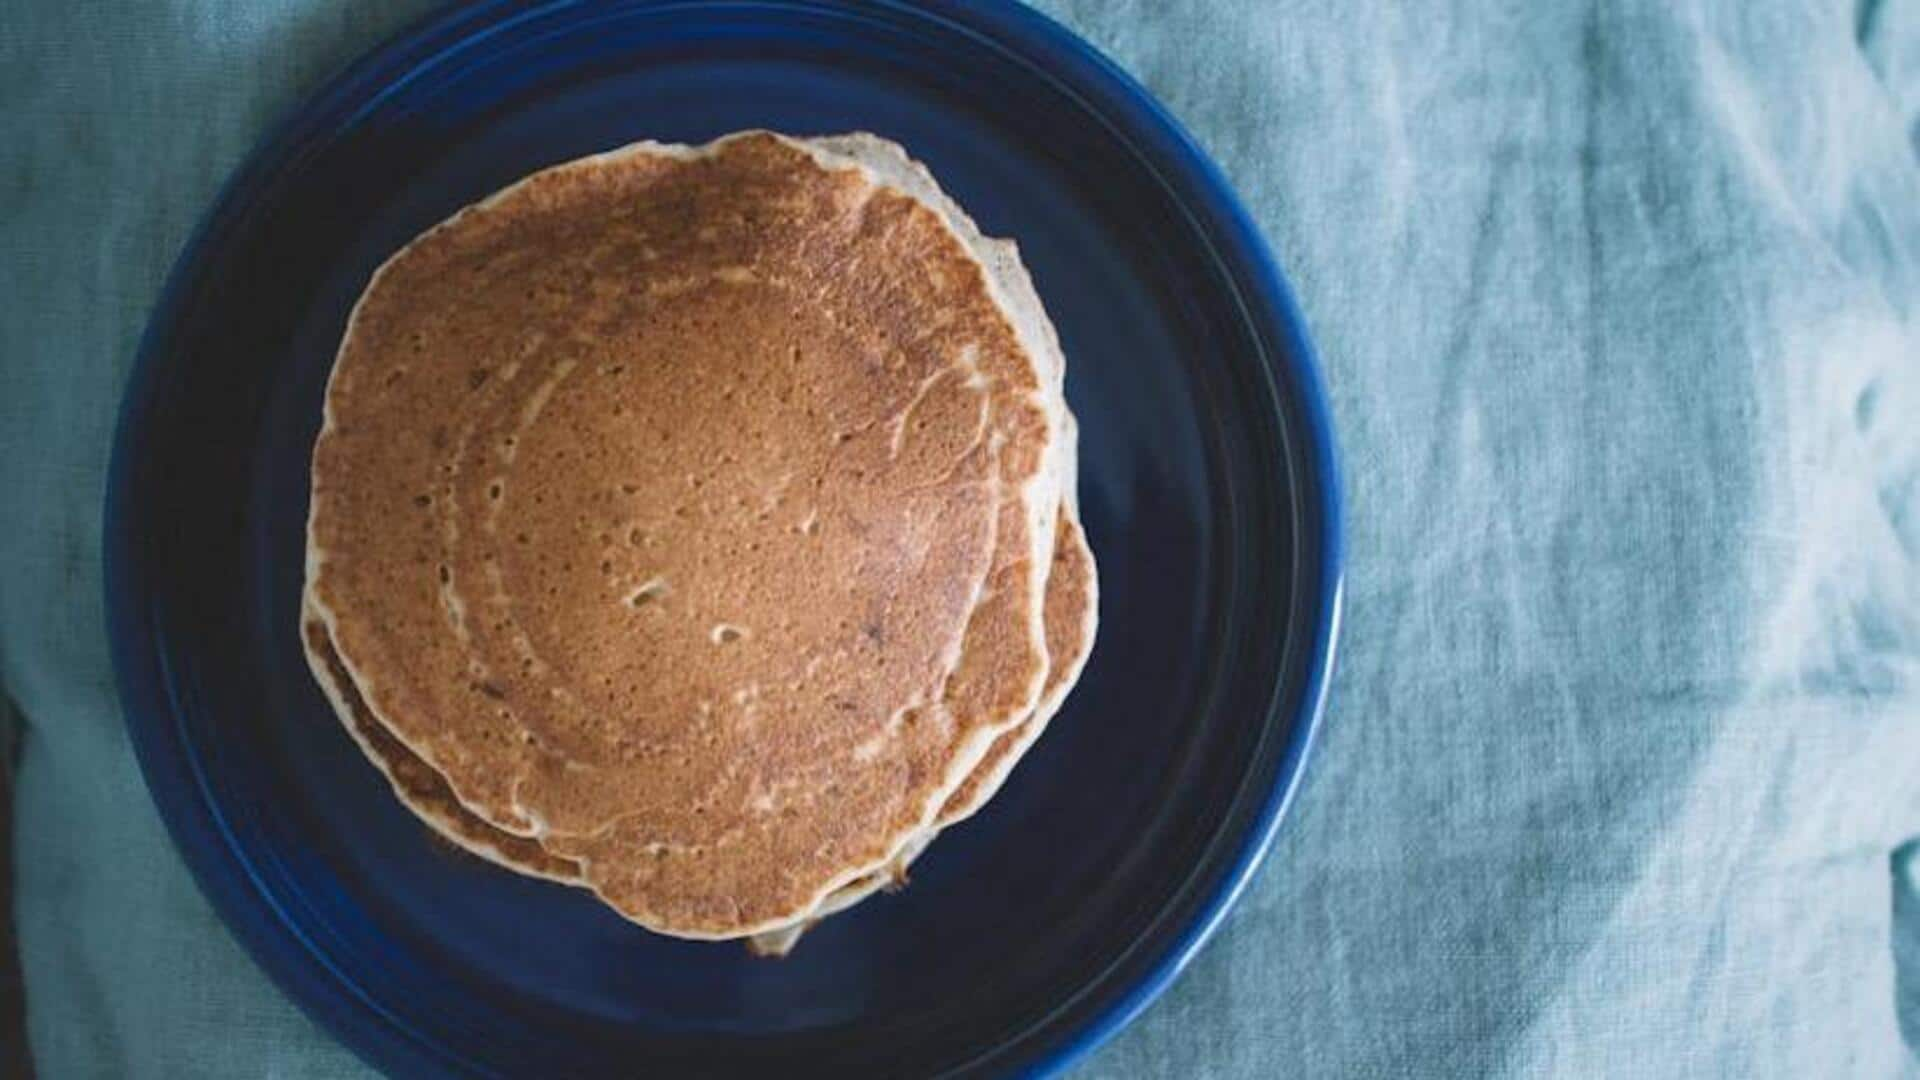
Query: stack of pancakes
[(697, 525)]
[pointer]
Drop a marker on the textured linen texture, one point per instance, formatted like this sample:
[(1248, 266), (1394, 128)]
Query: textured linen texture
[(1619, 305)]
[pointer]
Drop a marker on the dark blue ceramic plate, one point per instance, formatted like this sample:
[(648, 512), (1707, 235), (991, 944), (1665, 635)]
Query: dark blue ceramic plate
[(1031, 933)]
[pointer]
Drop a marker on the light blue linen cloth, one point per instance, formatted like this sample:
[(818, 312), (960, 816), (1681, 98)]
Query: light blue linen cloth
[(1620, 309)]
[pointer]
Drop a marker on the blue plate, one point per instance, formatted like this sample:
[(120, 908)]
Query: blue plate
[(1032, 932)]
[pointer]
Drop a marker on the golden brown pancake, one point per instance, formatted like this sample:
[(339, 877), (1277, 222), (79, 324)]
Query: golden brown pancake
[(683, 510)]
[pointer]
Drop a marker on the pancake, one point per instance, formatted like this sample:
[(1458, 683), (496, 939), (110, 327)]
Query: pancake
[(562, 423)]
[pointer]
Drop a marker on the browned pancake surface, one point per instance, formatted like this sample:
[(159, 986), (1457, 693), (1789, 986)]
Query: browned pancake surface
[(654, 508)]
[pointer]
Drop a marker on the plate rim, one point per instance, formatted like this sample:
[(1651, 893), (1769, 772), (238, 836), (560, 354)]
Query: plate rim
[(196, 825)]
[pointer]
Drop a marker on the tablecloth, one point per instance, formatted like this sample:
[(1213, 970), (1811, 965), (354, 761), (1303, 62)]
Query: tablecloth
[(1619, 304)]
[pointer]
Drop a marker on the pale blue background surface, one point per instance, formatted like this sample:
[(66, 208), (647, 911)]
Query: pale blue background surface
[(1620, 309)]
